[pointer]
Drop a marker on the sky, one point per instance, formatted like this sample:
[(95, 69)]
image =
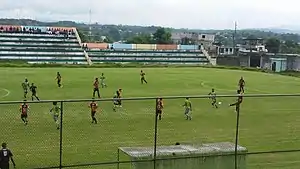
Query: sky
[(192, 14)]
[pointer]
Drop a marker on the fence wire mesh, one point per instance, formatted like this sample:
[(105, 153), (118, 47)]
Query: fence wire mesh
[(35, 144), (269, 131)]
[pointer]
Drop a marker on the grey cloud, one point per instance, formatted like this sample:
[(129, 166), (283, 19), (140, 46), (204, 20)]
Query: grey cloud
[(175, 13)]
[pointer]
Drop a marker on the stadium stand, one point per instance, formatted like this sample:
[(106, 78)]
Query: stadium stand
[(146, 53), (40, 44), (35, 44)]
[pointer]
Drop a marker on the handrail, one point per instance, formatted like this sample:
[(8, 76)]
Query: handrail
[(88, 59)]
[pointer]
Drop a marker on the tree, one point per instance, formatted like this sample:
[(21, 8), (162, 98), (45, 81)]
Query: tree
[(107, 40), (162, 36), (141, 39), (290, 44), (114, 34), (273, 45), (82, 36)]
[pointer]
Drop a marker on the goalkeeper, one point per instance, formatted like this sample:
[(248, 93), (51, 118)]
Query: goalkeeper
[(56, 111)]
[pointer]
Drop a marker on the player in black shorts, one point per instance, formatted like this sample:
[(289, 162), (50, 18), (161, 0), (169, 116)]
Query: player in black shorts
[(242, 85), (96, 88), (33, 90), (93, 106), (24, 108), (143, 79), (159, 107), (119, 96), (115, 102), (58, 79), (5, 156), (213, 97), (238, 101)]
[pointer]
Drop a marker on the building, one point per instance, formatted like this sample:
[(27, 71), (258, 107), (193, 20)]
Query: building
[(255, 45), (248, 46), (197, 38)]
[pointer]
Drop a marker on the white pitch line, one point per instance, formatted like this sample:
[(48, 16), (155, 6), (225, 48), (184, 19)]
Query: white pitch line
[(7, 93)]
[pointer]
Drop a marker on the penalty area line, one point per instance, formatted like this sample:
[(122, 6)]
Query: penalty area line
[(7, 93)]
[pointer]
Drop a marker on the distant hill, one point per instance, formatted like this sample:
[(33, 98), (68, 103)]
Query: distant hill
[(123, 32)]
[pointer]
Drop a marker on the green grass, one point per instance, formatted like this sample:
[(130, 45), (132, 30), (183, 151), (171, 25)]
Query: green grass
[(266, 123)]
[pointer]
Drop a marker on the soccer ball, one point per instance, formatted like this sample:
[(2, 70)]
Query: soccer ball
[(220, 103)]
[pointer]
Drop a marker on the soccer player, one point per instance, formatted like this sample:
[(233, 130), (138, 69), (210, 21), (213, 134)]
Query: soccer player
[(96, 88), (5, 156), (58, 79), (33, 90), (93, 105), (24, 108), (119, 96), (213, 97), (143, 79), (115, 102), (242, 85), (159, 107), (188, 108), (56, 111), (25, 86), (239, 101), (102, 78)]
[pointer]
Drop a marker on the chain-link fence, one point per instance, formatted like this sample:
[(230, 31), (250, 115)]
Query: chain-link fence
[(134, 136)]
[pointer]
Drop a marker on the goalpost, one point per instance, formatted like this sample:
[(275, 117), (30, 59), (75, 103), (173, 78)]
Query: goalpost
[(208, 156)]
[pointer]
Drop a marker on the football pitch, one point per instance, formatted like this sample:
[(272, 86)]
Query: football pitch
[(270, 123)]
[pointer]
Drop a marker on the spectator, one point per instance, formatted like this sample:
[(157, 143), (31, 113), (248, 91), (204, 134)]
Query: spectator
[(5, 156)]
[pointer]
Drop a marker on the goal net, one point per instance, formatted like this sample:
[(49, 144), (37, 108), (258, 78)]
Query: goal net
[(187, 156)]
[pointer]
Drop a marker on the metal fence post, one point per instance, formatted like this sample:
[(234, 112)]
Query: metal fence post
[(237, 135), (118, 158), (61, 135), (155, 135)]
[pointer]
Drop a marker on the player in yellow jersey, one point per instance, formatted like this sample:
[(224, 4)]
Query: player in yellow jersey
[(56, 111), (187, 108), (143, 78)]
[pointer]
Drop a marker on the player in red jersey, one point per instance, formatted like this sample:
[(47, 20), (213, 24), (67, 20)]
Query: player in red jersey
[(242, 85), (159, 107), (24, 108), (93, 105), (238, 101), (96, 88)]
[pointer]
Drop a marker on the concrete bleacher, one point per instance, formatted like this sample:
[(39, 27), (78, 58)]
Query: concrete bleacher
[(40, 45), (163, 57), (35, 44), (146, 53)]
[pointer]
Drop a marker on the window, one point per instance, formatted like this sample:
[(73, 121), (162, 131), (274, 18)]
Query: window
[(226, 50), (203, 36), (230, 50), (221, 50)]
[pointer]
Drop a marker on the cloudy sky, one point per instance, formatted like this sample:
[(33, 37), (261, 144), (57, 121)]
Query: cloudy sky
[(205, 14)]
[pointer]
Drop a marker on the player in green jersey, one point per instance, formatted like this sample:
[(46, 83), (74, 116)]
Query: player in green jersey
[(56, 111), (187, 108), (102, 80), (25, 86)]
